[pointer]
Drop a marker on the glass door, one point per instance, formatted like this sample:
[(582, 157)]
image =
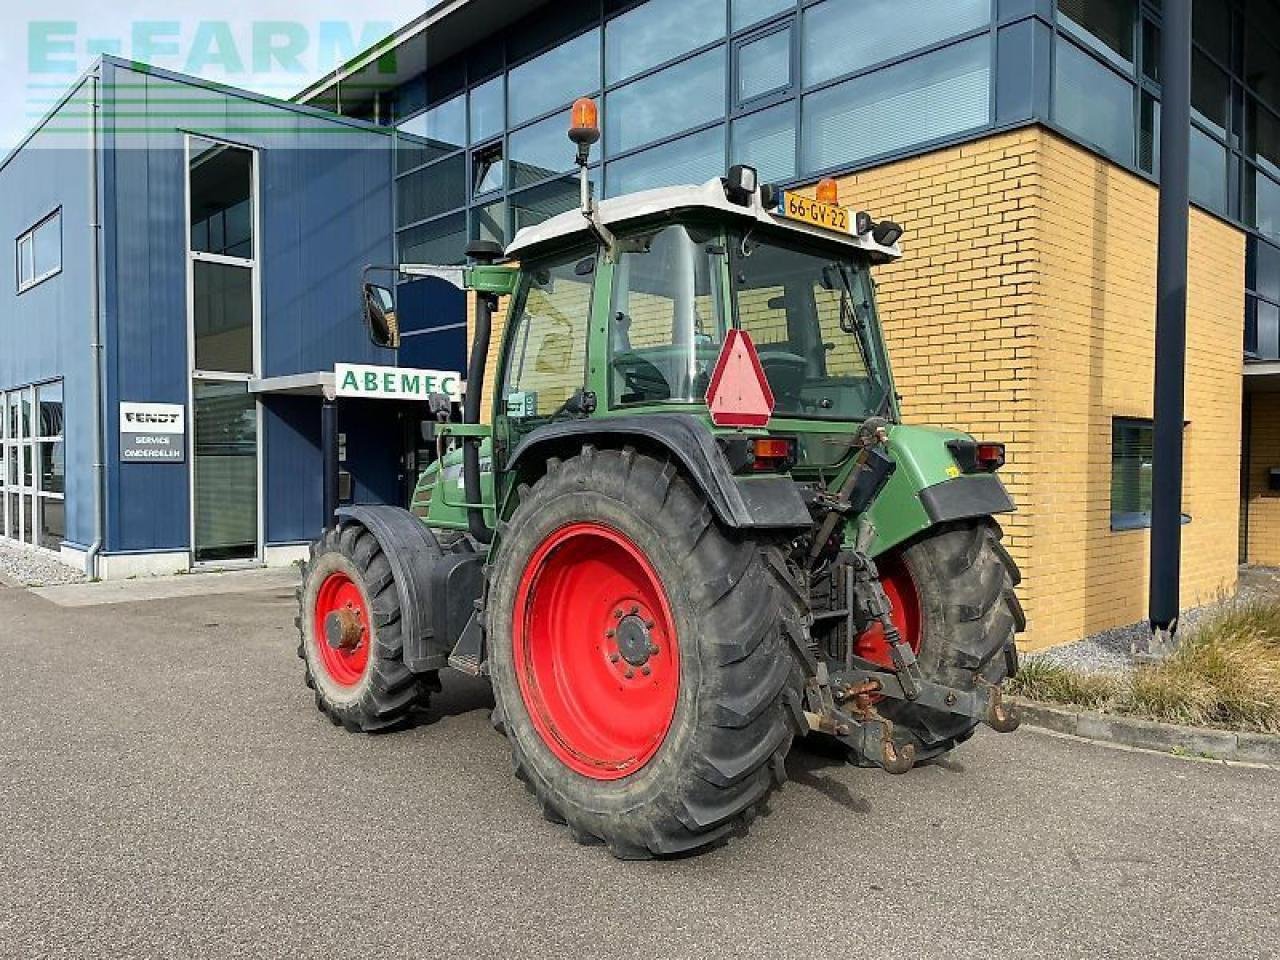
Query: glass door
[(223, 303)]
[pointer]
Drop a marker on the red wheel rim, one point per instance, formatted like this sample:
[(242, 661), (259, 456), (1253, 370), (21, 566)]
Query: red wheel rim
[(901, 590), (595, 649), (341, 629)]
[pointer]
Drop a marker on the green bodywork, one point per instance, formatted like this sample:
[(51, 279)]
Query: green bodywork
[(921, 454)]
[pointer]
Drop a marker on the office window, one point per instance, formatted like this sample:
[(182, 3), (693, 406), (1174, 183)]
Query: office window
[(840, 37), (1092, 101), (1263, 142), (32, 466), (221, 199), (555, 79), (1262, 58), (663, 104), (1131, 446), (692, 160), (944, 93), (541, 150), (1211, 27), (489, 172), (763, 66), (747, 12), (531, 207), (223, 303), (767, 141), (1105, 25), (490, 223), (432, 190), (428, 136), (488, 110), (1262, 203), (1208, 171), (1210, 90), (658, 31), (40, 252), (442, 241)]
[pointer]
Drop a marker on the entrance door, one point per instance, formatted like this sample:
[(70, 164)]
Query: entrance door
[(223, 304)]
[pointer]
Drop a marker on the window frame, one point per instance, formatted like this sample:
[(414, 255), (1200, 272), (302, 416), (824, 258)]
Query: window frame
[(29, 239), (1132, 520)]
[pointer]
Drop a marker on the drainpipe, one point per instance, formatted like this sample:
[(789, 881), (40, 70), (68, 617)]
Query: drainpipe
[(91, 558), (1171, 326)]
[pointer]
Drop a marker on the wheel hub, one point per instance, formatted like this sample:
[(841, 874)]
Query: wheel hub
[(342, 628), (635, 640)]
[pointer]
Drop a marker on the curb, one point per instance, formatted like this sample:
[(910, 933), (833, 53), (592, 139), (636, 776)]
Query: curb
[(1239, 747)]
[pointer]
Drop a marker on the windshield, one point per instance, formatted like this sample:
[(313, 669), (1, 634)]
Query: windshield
[(813, 320)]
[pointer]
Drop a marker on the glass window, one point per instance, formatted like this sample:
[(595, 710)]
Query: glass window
[(667, 323), (840, 37), (442, 241), (53, 523), (692, 160), (221, 199), (547, 363), (1092, 101), (1211, 28), (764, 65), (223, 300), (432, 190), (1208, 171), (226, 471), (488, 110), (1262, 60), (490, 172), (1263, 144), (767, 141), (435, 133), (1262, 329), (40, 252), (530, 207), (1150, 51), (53, 468), (556, 78), (923, 99), (1105, 25), (1149, 134), (541, 150), (490, 223), (1131, 449), (747, 12), (1262, 269), (663, 104), (1263, 202), (658, 31), (1210, 89), (49, 400)]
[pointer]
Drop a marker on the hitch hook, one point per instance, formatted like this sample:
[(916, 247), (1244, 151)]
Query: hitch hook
[(998, 717)]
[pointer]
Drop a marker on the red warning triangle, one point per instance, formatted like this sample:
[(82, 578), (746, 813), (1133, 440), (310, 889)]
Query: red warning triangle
[(739, 395)]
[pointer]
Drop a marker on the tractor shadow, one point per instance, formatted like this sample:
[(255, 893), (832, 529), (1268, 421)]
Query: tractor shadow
[(461, 695), (815, 762)]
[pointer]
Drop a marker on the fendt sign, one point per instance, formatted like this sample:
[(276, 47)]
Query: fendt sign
[(370, 382), (152, 432)]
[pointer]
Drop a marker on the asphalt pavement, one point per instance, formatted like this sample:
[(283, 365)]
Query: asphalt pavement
[(168, 790)]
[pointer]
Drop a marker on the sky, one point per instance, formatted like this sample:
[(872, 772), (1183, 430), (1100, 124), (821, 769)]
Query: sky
[(276, 47)]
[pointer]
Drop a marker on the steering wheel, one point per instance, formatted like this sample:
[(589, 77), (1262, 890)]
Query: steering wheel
[(787, 372)]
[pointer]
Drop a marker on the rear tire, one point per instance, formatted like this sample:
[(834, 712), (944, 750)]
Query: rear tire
[(969, 617), (362, 684), (721, 738)]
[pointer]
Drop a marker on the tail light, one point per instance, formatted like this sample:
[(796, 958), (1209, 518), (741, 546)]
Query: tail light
[(977, 457), (773, 454)]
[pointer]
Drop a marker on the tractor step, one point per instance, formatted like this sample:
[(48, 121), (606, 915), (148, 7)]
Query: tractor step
[(468, 655)]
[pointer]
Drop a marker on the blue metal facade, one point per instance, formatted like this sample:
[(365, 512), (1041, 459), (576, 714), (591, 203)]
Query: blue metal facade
[(326, 212)]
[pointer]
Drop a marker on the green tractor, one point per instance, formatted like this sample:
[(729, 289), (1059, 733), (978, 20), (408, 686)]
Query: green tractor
[(694, 529)]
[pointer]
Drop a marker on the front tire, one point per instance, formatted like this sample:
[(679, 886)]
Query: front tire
[(350, 642), (639, 668)]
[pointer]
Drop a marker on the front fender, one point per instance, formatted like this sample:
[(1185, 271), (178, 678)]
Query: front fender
[(928, 488)]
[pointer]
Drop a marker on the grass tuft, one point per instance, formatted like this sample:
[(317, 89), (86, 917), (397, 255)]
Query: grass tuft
[(1225, 673)]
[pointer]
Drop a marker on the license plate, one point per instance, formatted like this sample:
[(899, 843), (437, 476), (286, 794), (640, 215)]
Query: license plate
[(828, 215)]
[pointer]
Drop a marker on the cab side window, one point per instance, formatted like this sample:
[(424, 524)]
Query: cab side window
[(547, 362)]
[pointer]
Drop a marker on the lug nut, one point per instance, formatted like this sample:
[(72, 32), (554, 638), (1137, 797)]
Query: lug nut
[(610, 634), (617, 614), (630, 673), (634, 609), (653, 649), (614, 658), (645, 670), (648, 624)]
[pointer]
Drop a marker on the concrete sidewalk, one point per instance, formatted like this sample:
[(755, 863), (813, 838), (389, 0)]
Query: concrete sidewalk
[(170, 588)]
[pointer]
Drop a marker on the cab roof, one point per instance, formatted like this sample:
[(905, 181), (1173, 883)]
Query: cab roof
[(710, 198)]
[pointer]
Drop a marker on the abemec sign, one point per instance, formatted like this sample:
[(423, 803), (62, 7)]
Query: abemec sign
[(394, 383), (153, 433)]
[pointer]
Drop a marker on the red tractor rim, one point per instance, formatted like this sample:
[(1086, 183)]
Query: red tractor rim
[(341, 629), (900, 588), (595, 651)]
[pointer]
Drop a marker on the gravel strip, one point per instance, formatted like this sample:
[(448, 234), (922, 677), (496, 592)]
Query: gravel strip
[(1111, 650), (28, 567)]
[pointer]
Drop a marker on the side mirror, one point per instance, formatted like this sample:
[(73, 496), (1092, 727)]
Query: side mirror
[(380, 316)]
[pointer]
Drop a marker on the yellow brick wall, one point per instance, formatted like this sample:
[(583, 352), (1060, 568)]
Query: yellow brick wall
[(1264, 504), (1023, 311)]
